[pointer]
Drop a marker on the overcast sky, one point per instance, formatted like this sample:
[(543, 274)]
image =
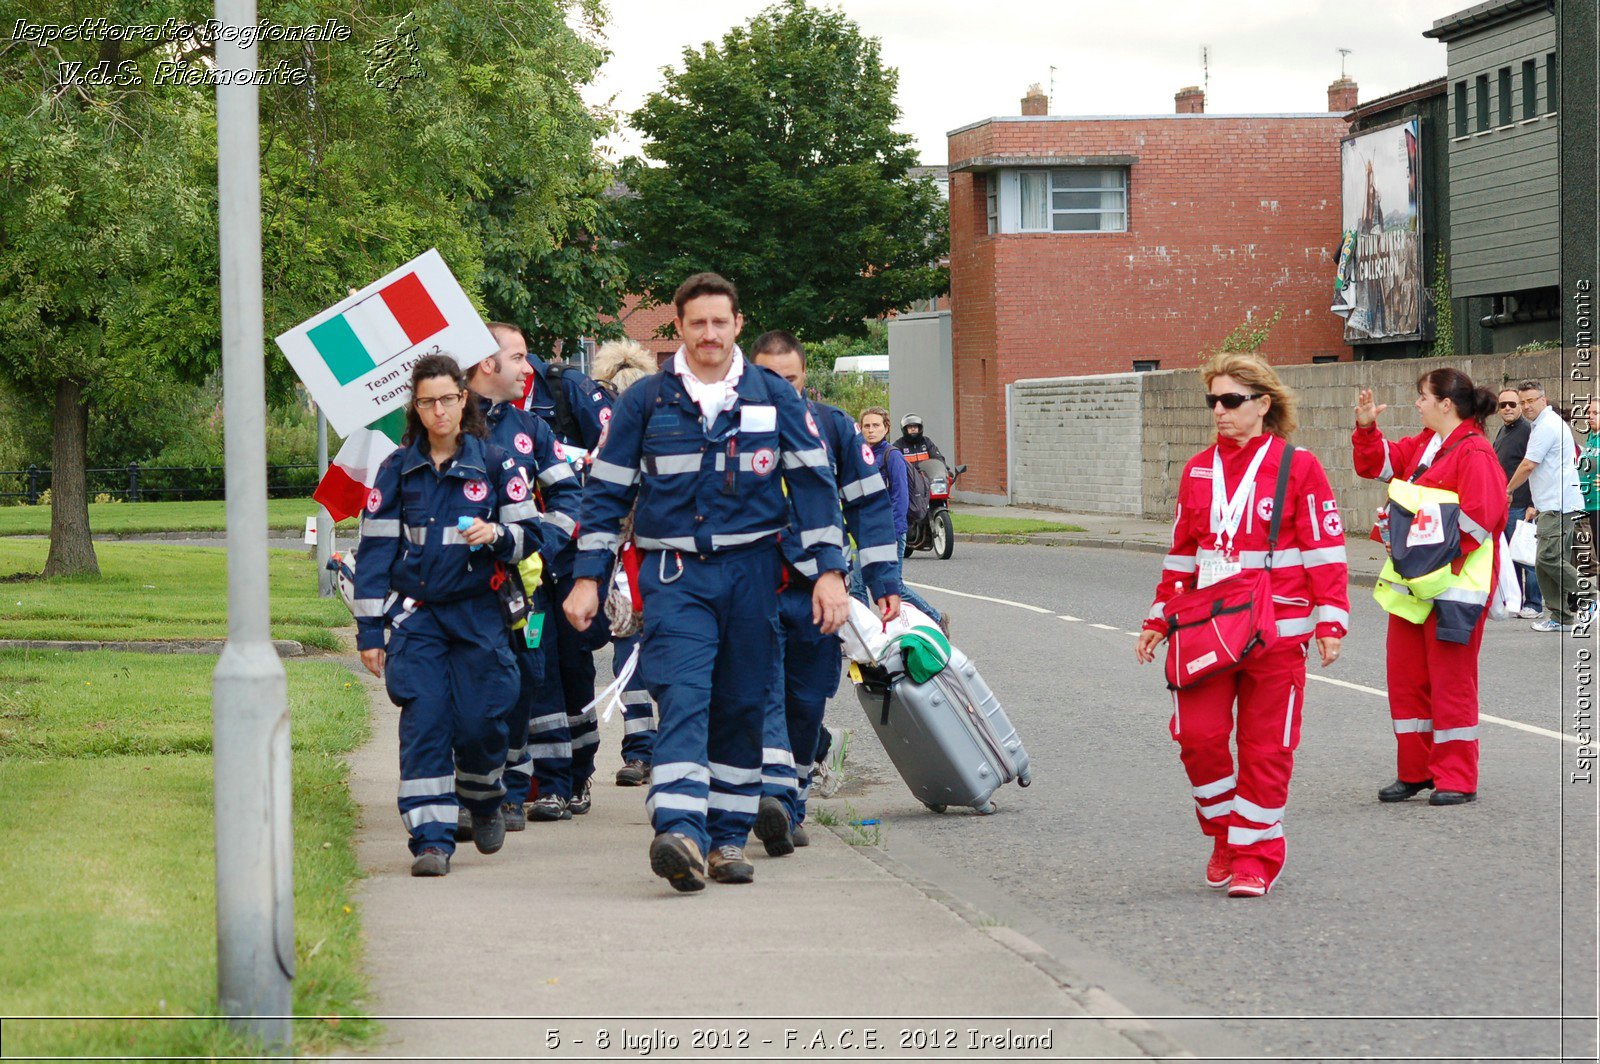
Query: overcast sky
[(961, 61)]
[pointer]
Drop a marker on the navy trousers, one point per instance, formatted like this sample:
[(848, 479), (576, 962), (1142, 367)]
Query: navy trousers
[(812, 663), (638, 711)]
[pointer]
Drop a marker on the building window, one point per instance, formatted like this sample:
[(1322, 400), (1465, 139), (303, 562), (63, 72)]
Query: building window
[(992, 188), (1323, 360), (1483, 102), (1552, 84), (1530, 89), (1146, 365), (1461, 108), (1505, 96), (1079, 200)]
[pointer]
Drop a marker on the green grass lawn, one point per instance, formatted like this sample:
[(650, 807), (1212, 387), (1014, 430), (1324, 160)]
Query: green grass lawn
[(109, 899), (1007, 526), (114, 517), (156, 591)]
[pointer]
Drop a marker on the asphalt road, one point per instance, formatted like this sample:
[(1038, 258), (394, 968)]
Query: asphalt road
[(1397, 931)]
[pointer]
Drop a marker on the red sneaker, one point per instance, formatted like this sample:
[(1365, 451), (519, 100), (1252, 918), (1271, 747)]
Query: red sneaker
[(1248, 885), (1219, 870)]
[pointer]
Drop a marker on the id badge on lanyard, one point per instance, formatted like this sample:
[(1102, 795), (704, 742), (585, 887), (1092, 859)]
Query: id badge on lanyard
[(1226, 515)]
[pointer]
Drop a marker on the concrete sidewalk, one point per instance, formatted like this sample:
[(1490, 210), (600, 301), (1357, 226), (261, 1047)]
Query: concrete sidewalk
[(567, 931), (1153, 537)]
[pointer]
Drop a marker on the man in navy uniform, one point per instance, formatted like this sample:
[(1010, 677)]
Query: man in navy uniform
[(708, 447)]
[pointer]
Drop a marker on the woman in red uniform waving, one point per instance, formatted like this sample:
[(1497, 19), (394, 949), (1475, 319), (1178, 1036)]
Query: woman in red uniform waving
[(1446, 510), (1224, 520)]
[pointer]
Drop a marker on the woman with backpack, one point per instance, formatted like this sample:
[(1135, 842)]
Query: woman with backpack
[(1257, 532), (875, 429)]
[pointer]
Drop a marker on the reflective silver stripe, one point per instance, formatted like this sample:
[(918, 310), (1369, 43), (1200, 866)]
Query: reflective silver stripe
[(552, 475), (1211, 812), (1288, 724), (1238, 836), (613, 474), (480, 790), (1316, 526), (635, 698), (1456, 735), (561, 521), (1155, 612), (865, 486), (739, 539), (546, 722), (585, 741), (736, 803), (673, 771), (1463, 594), (517, 759), (1256, 559), (669, 800), (635, 727), (519, 542), (1408, 726), (427, 788), (809, 567), (1180, 563), (473, 777), (670, 543), (1324, 556), (417, 535), (776, 755), (1387, 472), (1296, 626), (453, 536), (1472, 528), (549, 751), (380, 527), (598, 541), (1259, 813), (810, 537), (430, 814), (815, 457), (667, 465), (732, 776), (367, 607), (1331, 615), (878, 555), (786, 782), (1211, 790), (519, 511)]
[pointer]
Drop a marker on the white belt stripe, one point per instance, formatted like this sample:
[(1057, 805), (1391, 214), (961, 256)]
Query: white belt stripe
[(668, 465), (424, 788), (670, 543), (739, 539), (380, 527)]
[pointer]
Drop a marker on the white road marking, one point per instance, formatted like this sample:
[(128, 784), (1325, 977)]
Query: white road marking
[(1517, 724)]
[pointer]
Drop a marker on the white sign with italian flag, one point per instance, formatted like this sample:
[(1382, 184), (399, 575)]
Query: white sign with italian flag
[(356, 357)]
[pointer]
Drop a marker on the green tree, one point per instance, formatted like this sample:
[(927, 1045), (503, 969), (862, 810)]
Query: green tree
[(776, 164), (108, 248)]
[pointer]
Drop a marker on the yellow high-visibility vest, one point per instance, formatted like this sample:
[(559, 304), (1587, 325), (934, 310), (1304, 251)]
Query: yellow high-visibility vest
[(1460, 597)]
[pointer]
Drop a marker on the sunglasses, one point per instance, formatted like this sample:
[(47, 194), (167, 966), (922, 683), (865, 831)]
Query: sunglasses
[(1510, 406), (1232, 400)]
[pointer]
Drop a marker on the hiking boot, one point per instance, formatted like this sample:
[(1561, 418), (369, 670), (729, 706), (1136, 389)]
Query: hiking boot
[(676, 859), (549, 807), (633, 774), (489, 832), (515, 818), (432, 861), (828, 774), (463, 825), (581, 803), (1219, 870), (798, 835), (772, 828), (729, 866)]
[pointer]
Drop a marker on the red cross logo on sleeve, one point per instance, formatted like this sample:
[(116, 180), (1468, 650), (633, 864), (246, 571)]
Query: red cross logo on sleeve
[(763, 461)]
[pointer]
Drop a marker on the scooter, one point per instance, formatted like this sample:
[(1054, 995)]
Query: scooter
[(934, 532)]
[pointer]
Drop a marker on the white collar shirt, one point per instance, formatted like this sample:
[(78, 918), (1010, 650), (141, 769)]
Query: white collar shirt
[(717, 396)]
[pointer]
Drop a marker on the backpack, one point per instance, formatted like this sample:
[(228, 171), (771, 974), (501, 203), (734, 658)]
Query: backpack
[(566, 424), (917, 490)]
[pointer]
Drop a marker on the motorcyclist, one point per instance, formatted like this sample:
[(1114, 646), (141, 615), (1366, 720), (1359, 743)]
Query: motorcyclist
[(914, 445)]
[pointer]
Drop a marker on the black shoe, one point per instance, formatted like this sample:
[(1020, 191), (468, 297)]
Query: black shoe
[(772, 827), (515, 818), (1400, 790), (581, 803), (676, 859), (798, 835), (489, 832), (549, 807), (633, 774), (1452, 797), (432, 861), (463, 825)]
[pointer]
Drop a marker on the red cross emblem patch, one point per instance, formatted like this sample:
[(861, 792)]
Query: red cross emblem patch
[(517, 488), (1331, 523), (524, 443), (1426, 527), (1264, 508), (763, 461), (866, 454), (374, 500), (476, 490)]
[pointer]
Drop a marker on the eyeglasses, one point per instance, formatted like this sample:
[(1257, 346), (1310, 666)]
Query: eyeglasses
[(444, 402), (1510, 406), (1232, 400)]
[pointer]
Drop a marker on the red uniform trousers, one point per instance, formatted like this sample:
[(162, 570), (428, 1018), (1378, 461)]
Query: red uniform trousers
[(1245, 808), (1433, 699)]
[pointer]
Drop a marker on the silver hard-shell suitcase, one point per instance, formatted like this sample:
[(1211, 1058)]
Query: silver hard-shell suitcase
[(949, 738)]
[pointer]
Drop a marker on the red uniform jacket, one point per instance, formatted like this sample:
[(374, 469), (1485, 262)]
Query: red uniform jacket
[(1465, 464), (1310, 574)]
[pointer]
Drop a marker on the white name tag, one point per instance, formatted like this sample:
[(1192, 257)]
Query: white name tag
[(758, 418), (1215, 569)]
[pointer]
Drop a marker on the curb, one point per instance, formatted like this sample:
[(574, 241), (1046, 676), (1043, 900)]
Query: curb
[(1095, 1001), (286, 648)]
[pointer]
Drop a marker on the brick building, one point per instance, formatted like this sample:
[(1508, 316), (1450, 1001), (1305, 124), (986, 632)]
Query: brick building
[(1104, 244)]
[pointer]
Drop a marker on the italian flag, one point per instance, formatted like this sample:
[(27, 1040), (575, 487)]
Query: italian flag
[(344, 487), (388, 322)]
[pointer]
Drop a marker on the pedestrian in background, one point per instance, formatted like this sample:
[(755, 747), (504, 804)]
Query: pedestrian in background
[(1443, 537), (1550, 468), (1589, 481), (1510, 444), (1225, 511), (875, 430)]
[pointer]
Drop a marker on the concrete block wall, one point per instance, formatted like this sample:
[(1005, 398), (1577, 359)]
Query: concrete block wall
[(1077, 443)]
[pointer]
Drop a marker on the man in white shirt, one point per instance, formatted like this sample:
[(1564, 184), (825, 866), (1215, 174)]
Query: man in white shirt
[(1551, 470)]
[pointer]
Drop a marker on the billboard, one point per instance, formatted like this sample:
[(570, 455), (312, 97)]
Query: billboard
[(1379, 288)]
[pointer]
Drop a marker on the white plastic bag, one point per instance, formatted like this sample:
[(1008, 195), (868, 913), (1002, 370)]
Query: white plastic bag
[(865, 634), (1508, 591), (1525, 544)]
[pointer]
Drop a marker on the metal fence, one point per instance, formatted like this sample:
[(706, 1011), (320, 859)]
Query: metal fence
[(139, 483)]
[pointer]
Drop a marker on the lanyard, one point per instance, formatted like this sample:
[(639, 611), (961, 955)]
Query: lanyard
[(1226, 513)]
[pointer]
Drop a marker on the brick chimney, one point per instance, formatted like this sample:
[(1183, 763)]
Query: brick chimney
[(1342, 95), (1036, 102), (1190, 101)]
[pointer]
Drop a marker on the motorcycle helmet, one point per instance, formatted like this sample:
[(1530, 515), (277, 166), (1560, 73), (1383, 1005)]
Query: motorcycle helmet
[(909, 420)]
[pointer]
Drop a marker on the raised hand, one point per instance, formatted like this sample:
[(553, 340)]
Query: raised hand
[(1366, 411)]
